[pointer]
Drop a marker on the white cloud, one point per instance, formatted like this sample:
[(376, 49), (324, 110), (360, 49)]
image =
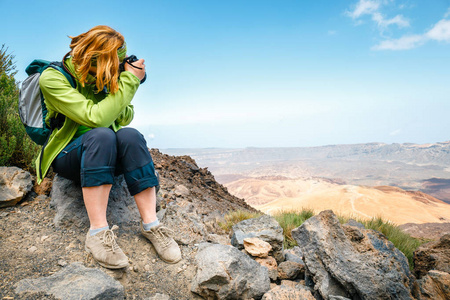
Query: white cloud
[(403, 43), (447, 14), (364, 7), (440, 32), (395, 132), (151, 136), (372, 8), (398, 20)]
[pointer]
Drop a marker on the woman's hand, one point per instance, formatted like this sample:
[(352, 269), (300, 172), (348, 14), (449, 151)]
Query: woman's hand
[(140, 73)]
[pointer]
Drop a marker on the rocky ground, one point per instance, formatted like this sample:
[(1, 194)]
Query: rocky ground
[(31, 246), (42, 249)]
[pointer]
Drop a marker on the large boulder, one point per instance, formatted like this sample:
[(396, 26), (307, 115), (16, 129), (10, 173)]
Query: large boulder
[(265, 228), (352, 262), (15, 183), (223, 272), (72, 283), (67, 199), (433, 256)]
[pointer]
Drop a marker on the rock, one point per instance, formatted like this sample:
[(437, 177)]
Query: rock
[(332, 297), (354, 223), (265, 228), (218, 239), (62, 263), (74, 282), (223, 272), (353, 263), (181, 191), (291, 270), (15, 183), (271, 264), (67, 199), (257, 247), (32, 249), (159, 296), (286, 292), (186, 223), (295, 254), (433, 256), (44, 188), (435, 286)]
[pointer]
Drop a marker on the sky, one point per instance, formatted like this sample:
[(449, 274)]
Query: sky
[(234, 74)]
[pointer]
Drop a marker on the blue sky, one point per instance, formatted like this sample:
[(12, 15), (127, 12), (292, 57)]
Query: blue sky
[(265, 73)]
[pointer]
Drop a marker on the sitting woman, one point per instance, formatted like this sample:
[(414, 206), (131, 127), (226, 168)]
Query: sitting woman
[(91, 147)]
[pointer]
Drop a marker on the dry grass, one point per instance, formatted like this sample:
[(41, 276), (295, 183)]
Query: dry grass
[(292, 219)]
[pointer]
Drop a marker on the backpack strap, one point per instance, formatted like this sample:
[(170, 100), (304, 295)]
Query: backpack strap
[(59, 120), (59, 66)]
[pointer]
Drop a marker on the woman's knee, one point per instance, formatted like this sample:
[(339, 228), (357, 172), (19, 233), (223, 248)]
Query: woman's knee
[(130, 136), (101, 136)]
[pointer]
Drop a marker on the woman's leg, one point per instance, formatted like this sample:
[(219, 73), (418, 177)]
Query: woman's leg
[(146, 203), (135, 162), (96, 202), (91, 160)]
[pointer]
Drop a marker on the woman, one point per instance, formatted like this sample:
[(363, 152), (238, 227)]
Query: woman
[(91, 147)]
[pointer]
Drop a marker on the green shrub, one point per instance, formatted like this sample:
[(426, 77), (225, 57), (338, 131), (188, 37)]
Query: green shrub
[(402, 241), (291, 219), (16, 148), (236, 217)]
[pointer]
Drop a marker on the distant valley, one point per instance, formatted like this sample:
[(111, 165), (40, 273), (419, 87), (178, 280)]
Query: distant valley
[(331, 176)]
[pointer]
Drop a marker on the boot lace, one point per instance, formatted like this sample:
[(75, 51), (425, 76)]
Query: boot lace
[(109, 239), (163, 236)]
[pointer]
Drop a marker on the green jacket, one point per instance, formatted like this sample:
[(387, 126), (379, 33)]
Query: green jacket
[(82, 106)]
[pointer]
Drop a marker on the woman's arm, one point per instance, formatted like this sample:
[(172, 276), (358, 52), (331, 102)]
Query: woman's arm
[(126, 116), (62, 97)]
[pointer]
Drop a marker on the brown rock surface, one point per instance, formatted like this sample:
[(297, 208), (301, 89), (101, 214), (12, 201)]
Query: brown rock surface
[(433, 256), (15, 183), (44, 188), (435, 286), (286, 292), (290, 270), (257, 247), (271, 264), (427, 231)]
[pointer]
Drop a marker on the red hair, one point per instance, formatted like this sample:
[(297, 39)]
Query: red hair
[(98, 47)]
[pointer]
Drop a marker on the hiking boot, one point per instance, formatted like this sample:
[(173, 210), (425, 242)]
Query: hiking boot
[(166, 247), (104, 249)]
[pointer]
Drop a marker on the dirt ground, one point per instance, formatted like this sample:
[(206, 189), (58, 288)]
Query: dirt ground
[(31, 247)]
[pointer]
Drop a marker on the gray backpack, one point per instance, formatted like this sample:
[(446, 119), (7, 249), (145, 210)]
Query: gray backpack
[(32, 109)]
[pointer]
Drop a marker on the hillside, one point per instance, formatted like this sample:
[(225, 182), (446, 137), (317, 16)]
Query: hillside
[(412, 167), (270, 194)]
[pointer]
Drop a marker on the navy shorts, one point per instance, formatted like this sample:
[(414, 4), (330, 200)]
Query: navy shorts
[(97, 156)]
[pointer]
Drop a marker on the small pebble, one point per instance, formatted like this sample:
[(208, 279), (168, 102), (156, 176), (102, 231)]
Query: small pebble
[(154, 260), (147, 268), (62, 262), (43, 238), (32, 249), (136, 268)]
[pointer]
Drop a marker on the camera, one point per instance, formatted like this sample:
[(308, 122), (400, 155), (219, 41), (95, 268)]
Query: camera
[(129, 60)]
